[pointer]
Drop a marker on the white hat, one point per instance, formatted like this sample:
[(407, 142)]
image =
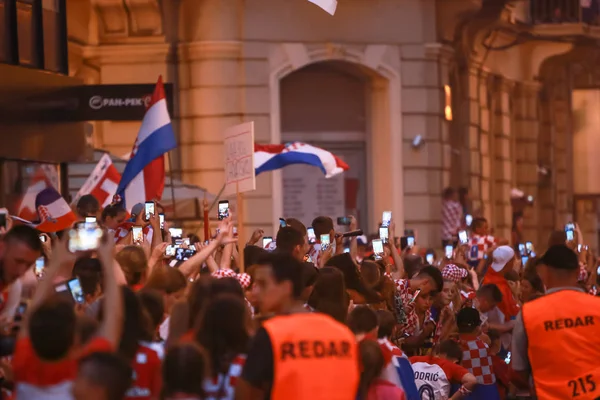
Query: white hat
[(501, 256)]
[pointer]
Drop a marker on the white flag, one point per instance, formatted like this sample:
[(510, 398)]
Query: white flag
[(327, 5)]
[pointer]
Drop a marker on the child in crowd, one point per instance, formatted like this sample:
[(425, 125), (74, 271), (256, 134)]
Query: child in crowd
[(476, 357)]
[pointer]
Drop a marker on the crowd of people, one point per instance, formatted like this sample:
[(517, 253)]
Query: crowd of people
[(123, 306)]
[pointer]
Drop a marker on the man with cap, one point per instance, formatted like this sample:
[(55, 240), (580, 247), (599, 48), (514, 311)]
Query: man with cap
[(556, 339), (503, 259)]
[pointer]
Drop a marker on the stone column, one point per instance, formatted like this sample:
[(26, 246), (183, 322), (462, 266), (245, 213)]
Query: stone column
[(426, 169), (502, 174), (223, 82), (526, 136)]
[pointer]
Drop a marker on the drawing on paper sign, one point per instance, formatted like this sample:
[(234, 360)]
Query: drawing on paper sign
[(239, 159), (327, 5)]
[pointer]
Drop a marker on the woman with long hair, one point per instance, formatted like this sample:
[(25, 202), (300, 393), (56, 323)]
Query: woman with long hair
[(223, 332), (371, 386), (182, 366), (329, 294), (144, 360), (355, 287)]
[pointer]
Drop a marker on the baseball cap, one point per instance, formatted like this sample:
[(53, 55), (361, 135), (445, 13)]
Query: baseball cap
[(137, 210), (560, 257), (501, 256), (454, 273)]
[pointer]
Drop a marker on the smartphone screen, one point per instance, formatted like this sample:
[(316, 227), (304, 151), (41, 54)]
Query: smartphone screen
[(161, 219), (149, 209), (378, 248), (429, 258), (138, 235), (410, 241), (90, 220), (43, 238), (386, 218), (524, 260), (384, 234), (325, 241), (170, 251), (522, 249), (223, 210), (343, 221), (76, 291), (40, 264), (469, 219), (507, 359), (84, 237), (529, 246), (570, 236), (282, 223), (462, 237), (235, 232), (176, 232), (312, 238), (267, 240), (449, 251)]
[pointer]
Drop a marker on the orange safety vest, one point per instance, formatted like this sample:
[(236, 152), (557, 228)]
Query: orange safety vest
[(315, 357), (563, 335)]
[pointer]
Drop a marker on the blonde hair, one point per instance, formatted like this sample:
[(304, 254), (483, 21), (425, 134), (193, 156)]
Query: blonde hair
[(166, 279), (134, 263)]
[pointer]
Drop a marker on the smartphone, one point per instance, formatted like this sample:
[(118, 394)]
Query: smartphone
[(386, 218), (90, 220), (462, 237), (43, 238), (282, 223), (235, 232), (529, 246), (410, 241), (384, 234), (223, 210), (524, 260), (570, 236), (325, 241), (378, 248), (161, 219), (468, 219), (184, 254), (507, 359), (76, 291), (267, 240), (176, 232), (449, 251), (343, 221), (149, 209), (347, 250), (170, 251), (138, 235), (312, 238), (84, 237), (430, 258), (3, 213), (522, 249), (598, 270), (40, 264), (22, 309)]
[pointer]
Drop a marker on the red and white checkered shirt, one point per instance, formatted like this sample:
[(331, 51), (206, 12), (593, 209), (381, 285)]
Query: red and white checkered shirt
[(477, 359), (478, 246), (223, 387), (452, 218), (412, 326)]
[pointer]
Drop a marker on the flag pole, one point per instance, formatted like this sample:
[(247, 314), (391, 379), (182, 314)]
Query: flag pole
[(172, 184)]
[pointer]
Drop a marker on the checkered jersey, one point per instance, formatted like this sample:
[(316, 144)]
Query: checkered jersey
[(478, 246), (405, 309), (477, 360), (452, 218), (223, 387)]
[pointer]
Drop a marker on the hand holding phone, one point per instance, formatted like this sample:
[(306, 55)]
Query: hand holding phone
[(386, 218), (138, 235), (378, 248), (325, 241), (312, 238), (384, 234), (148, 210), (223, 210), (343, 221)]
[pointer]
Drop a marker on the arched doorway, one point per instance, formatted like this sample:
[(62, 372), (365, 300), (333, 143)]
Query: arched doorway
[(325, 104)]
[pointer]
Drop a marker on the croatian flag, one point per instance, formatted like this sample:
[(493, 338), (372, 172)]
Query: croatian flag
[(270, 157), (144, 175), (53, 212), (102, 183)]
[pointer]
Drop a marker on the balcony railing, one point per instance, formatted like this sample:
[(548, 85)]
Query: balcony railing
[(33, 33), (565, 12)]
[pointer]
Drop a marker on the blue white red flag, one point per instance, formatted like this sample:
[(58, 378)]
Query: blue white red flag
[(270, 157), (144, 175)]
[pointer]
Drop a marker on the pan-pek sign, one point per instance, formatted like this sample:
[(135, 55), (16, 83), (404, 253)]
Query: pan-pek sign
[(117, 102)]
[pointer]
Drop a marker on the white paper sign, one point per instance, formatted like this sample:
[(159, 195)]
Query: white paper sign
[(239, 159), (327, 5)]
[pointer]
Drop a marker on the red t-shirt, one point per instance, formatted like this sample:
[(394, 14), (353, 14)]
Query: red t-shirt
[(147, 379), (35, 378)]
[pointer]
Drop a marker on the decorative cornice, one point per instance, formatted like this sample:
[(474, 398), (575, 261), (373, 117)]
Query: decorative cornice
[(122, 54), (194, 51), (440, 51)]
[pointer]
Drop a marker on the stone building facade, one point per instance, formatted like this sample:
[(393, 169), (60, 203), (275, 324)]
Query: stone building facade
[(363, 83)]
